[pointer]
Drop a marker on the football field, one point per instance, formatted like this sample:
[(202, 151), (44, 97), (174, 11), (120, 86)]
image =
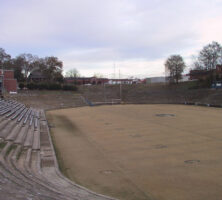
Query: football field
[(135, 152)]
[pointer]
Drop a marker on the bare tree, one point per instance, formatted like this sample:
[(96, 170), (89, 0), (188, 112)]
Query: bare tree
[(210, 56), (175, 66), (72, 73), (52, 68), (98, 75), (18, 66), (4, 58), (26, 61), (195, 63)]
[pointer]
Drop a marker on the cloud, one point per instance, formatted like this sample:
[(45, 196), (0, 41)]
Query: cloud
[(93, 33), (123, 69)]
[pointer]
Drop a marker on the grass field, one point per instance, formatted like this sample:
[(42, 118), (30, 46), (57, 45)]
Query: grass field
[(163, 152)]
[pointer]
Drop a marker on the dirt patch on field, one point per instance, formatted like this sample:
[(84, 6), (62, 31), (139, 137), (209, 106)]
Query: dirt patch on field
[(66, 124), (164, 152)]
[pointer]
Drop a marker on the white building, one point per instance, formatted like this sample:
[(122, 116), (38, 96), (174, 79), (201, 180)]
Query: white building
[(160, 79), (163, 79), (123, 81)]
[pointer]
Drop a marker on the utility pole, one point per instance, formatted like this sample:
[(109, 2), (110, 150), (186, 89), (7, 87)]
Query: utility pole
[(120, 91), (104, 91), (120, 87)]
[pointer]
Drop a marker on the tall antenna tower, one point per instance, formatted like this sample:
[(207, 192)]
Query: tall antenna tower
[(114, 70)]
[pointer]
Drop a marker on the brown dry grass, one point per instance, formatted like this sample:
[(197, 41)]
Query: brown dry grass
[(130, 153)]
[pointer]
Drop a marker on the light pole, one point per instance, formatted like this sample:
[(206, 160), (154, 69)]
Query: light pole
[(104, 91), (120, 91)]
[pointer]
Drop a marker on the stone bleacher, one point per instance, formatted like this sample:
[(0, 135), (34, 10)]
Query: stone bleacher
[(28, 165)]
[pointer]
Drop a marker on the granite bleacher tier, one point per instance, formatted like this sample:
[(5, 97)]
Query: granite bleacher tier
[(28, 166)]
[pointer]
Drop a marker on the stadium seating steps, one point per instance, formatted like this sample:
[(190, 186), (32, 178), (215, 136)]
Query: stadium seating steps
[(28, 165)]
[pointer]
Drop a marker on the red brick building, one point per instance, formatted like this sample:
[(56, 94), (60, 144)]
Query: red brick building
[(219, 70), (204, 74), (7, 81)]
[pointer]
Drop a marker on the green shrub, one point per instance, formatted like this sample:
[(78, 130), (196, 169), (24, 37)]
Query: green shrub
[(54, 86), (69, 88), (51, 86), (43, 86), (32, 86), (21, 86)]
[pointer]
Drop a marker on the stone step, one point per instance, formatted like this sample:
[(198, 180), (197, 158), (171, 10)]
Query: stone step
[(6, 170), (50, 174), (4, 122), (27, 179), (35, 168), (12, 191), (27, 116), (14, 132), (22, 114), (18, 112), (2, 118), (7, 129), (29, 138), (39, 182), (36, 140), (22, 134), (31, 160), (14, 110)]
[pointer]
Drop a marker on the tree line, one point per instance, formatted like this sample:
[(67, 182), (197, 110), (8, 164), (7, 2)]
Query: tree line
[(24, 64), (208, 58), (51, 67)]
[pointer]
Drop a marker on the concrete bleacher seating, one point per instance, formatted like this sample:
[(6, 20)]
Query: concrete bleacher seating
[(28, 166)]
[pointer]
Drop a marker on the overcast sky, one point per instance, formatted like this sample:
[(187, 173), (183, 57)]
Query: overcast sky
[(130, 37)]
